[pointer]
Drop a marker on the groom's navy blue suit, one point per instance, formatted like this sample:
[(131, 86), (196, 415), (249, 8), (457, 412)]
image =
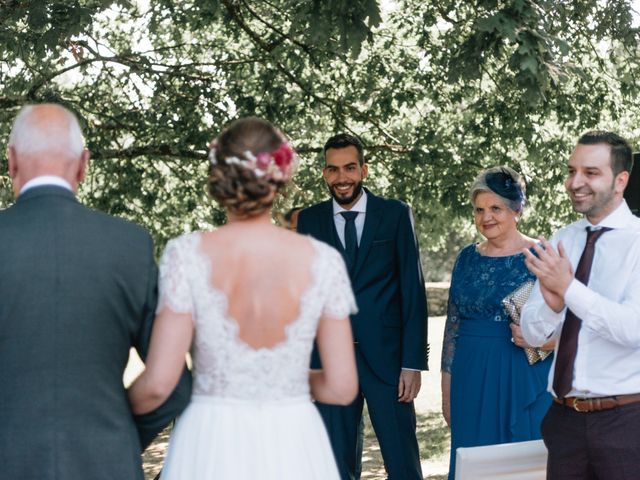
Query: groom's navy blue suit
[(390, 332)]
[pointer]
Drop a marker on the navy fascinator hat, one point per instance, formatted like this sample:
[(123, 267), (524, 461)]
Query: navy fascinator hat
[(504, 182)]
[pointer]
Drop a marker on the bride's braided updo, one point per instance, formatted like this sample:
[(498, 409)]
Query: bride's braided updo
[(250, 162)]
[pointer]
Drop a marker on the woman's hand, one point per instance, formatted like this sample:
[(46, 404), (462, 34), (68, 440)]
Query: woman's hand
[(516, 336), (550, 345), (446, 397)]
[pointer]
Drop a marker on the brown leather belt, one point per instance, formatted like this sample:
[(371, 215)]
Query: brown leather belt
[(597, 404)]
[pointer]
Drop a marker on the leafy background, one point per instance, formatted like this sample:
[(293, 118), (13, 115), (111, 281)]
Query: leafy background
[(437, 90)]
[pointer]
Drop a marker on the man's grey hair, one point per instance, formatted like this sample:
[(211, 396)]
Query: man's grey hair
[(480, 185), (32, 137)]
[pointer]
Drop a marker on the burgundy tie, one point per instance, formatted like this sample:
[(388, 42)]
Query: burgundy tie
[(563, 373)]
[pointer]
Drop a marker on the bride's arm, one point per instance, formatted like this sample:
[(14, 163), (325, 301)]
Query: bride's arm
[(170, 341), (337, 382)]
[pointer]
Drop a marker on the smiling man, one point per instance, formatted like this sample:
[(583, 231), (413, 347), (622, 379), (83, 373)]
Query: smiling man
[(588, 295), (377, 240)]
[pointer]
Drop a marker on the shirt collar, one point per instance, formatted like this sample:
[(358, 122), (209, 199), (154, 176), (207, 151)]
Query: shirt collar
[(360, 206), (46, 180), (619, 218)]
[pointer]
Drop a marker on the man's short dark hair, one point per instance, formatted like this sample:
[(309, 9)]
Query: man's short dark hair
[(344, 140), (621, 154)]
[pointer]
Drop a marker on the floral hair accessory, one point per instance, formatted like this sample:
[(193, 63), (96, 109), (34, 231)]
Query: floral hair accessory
[(502, 183), (277, 165)]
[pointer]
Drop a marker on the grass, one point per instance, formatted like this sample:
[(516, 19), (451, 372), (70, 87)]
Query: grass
[(433, 440)]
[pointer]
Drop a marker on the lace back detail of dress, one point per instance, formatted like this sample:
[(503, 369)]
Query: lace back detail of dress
[(224, 365)]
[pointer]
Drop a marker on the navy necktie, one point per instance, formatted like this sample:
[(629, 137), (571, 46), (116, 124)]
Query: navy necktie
[(563, 373), (350, 238)]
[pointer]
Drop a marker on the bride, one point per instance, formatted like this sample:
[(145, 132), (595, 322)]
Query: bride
[(247, 300)]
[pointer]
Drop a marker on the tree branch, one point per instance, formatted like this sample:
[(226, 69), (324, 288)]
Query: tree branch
[(235, 14)]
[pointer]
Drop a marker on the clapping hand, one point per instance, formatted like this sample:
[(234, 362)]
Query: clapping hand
[(553, 270)]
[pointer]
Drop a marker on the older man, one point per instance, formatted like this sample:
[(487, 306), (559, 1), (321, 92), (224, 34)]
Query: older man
[(588, 296), (77, 290)]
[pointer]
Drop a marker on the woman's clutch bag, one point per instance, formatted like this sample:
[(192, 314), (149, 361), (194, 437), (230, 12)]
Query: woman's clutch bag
[(513, 304)]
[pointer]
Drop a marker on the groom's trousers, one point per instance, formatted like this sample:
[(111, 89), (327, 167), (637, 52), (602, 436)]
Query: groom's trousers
[(394, 423), (602, 445)]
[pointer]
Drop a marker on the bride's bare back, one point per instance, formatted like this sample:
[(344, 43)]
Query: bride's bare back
[(263, 271), (248, 301)]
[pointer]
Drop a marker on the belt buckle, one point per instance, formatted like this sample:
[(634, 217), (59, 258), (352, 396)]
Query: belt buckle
[(575, 405)]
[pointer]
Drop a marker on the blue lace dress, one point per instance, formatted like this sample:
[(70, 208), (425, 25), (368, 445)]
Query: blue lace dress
[(496, 396)]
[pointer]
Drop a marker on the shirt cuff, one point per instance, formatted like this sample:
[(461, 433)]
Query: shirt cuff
[(541, 323), (551, 317), (579, 299)]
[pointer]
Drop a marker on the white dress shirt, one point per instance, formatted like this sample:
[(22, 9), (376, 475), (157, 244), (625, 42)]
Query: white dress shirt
[(608, 356), (360, 206), (46, 180)]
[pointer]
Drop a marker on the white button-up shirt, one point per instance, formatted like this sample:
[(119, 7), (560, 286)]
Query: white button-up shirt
[(608, 356), (360, 206)]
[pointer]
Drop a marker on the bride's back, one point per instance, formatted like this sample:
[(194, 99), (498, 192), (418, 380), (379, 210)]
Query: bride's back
[(255, 294), (263, 271)]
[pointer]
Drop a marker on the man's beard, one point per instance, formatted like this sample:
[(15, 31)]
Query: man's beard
[(599, 201), (357, 188)]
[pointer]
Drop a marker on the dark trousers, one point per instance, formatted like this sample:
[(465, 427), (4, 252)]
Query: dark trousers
[(601, 445), (394, 423)]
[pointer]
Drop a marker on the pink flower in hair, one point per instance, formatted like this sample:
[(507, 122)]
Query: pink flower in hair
[(276, 165), (283, 155), (263, 159)]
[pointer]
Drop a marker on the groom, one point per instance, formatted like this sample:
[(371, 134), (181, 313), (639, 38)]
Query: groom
[(378, 243), (77, 290)]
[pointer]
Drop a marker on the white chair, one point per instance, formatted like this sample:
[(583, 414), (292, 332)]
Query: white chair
[(506, 461)]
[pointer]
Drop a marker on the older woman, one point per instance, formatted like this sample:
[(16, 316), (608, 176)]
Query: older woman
[(490, 392)]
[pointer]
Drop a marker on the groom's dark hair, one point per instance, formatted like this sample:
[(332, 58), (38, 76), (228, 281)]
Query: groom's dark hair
[(343, 140), (621, 151)]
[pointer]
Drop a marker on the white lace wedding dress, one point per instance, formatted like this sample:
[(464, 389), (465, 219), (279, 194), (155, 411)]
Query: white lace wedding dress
[(250, 417)]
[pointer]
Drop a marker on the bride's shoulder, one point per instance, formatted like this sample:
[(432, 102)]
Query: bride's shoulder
[(184, 242), (319, 246), (186, 239), (325, 252)]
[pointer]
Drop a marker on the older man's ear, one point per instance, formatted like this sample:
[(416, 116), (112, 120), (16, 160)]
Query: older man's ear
[(11, 160), (13, 170), (82, 166)]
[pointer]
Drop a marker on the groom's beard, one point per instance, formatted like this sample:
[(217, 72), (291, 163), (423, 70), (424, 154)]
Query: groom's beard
[(345, 200)]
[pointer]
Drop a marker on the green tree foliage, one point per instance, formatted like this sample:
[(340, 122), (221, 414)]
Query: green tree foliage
[(437, 91)]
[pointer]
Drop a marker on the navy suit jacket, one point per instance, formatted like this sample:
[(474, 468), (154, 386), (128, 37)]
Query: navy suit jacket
[(391, 324)]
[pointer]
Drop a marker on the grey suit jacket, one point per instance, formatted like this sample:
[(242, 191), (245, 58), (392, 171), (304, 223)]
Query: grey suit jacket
[(77, 289)]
